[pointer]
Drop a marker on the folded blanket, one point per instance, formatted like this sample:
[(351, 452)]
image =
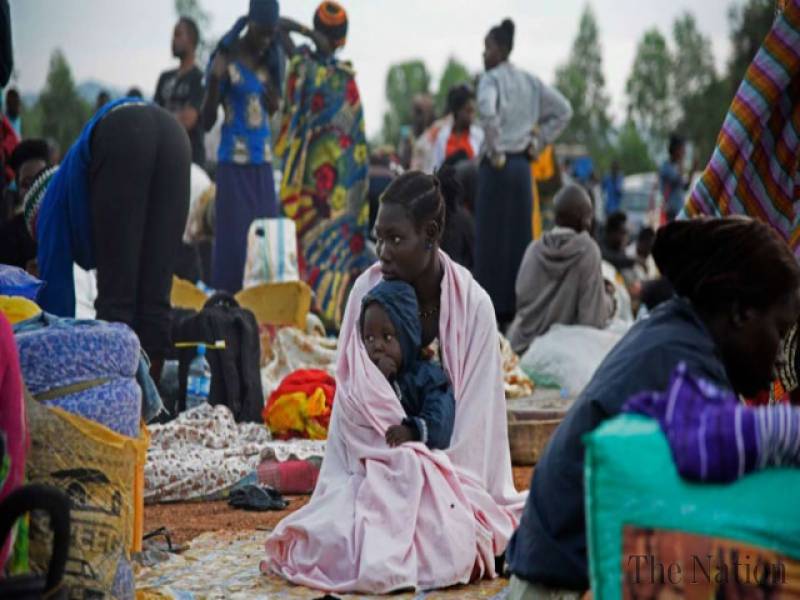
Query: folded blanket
[(117, 404)]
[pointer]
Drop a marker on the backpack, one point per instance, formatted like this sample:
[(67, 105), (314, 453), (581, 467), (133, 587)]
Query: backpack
[(235, 371)]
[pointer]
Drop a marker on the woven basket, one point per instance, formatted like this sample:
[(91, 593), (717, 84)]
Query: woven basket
[(528, 438)]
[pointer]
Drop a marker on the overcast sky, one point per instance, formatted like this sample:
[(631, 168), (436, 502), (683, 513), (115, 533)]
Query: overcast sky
[(126, 43)]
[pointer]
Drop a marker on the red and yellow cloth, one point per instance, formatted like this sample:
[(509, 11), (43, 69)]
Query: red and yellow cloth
[(301, 405)]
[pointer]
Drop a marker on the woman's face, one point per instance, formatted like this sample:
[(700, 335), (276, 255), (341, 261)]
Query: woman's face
[(752, 350), (465, 116), (401, 246), (492, 53), (259, 36)]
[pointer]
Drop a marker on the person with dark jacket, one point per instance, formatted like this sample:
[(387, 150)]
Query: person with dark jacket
[(738, 287)]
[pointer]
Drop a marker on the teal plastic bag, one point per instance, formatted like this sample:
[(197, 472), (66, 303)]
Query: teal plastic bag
[(633, 489)]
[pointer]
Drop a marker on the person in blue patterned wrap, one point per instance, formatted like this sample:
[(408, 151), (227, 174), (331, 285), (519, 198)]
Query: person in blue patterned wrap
[(244, 75)]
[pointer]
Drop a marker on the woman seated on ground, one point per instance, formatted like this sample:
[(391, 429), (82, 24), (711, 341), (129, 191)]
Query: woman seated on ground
[(383, 519), (738, 288)]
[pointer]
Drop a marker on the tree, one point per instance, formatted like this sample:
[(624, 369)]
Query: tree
[(649, 90), (63, 112), (700, 98), (632, 152), (749, 26), (403, 82), (582, 82), (454, 74)]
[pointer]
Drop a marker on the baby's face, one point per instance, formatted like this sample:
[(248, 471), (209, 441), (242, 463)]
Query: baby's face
[(380, 339)]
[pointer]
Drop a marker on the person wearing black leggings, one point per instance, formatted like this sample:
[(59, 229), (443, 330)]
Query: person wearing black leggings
[(117, 203)]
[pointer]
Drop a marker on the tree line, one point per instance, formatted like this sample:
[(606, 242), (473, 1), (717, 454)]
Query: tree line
[(674, 86)]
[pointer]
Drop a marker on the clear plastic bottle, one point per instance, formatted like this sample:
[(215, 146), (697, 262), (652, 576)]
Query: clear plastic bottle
[(198, 383)]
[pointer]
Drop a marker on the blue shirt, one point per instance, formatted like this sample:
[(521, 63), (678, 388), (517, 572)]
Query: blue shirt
[(549, 547), (673, 188), (64, 229), (612, 191), (245, 137)]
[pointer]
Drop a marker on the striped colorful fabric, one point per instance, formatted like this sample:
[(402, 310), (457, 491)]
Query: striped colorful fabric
[(713, 436), (754, 168)]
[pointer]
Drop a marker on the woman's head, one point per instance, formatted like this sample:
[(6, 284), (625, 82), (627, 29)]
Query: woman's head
[(498, 44), (330, 19), (745, 283), (461, 104), (410, 222), (262, 20)]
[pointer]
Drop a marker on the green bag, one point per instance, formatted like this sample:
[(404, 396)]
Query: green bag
[(635, 499)]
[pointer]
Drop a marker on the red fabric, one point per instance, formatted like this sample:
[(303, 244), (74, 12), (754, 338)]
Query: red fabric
[(8, 141), (289, 477), (13, 420), (306, 381), (459, 142)]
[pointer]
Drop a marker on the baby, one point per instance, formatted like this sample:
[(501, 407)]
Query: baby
[(392, 336)]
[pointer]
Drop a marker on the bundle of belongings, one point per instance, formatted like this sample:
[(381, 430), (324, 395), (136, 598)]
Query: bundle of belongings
[(675, 506), (89, 389), (204, 454)]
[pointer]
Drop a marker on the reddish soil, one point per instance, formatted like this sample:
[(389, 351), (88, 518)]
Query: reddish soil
[(187, 520)]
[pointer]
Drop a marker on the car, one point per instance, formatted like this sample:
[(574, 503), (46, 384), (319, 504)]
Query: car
[(641, 201)]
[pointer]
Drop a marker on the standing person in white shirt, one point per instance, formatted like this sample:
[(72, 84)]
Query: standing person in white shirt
[(520, 116)]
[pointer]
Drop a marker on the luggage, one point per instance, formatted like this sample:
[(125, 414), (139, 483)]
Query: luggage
[(102, 472), (271, 252), (17, 282), (651, 534), (235, 374), (85, 367)]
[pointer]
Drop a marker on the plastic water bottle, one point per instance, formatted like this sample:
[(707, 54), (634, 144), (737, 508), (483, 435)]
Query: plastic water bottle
[(198, 383)]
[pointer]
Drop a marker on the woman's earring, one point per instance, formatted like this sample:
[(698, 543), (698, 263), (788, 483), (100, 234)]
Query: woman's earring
[(429, 245)]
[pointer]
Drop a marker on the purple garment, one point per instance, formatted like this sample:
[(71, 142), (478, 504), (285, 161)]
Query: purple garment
[(244, 193), (713, 436)]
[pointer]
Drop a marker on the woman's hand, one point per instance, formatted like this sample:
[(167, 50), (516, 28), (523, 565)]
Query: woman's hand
[(398, 434), (219, 66)]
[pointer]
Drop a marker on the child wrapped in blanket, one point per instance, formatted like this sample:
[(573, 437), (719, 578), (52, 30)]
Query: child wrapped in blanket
[(391, 333)]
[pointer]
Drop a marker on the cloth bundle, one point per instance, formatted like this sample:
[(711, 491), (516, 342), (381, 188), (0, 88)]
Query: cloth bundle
[(301, 406)]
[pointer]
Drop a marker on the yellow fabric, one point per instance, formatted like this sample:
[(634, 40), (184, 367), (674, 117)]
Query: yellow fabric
[(544, 167), (283, 303), (537, 210), (294, 412), (103, 473), (17, 308)]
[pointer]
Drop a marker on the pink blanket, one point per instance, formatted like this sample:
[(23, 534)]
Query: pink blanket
[(385, 519)]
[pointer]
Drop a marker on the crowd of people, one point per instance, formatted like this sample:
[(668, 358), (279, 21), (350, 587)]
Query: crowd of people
[(418, 257)]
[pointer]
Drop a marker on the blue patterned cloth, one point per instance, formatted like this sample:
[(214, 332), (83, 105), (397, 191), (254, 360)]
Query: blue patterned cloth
[(57, 352), (116, 404), (246, 138)]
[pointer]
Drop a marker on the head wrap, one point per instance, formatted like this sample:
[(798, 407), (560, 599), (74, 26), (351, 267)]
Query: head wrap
[(399, 300), (34, 197), (715, 262), (264, 12), (330, 19)]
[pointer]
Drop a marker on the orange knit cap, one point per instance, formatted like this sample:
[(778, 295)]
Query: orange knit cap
[(331, 19)]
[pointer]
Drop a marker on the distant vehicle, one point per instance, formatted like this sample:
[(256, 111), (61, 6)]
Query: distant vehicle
[(641, 201), (80, 481)]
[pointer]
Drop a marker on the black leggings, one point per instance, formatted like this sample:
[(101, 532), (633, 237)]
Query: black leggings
[(139, 194)]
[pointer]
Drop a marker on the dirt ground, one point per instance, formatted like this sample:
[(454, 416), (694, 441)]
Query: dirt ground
[(187, 520)]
